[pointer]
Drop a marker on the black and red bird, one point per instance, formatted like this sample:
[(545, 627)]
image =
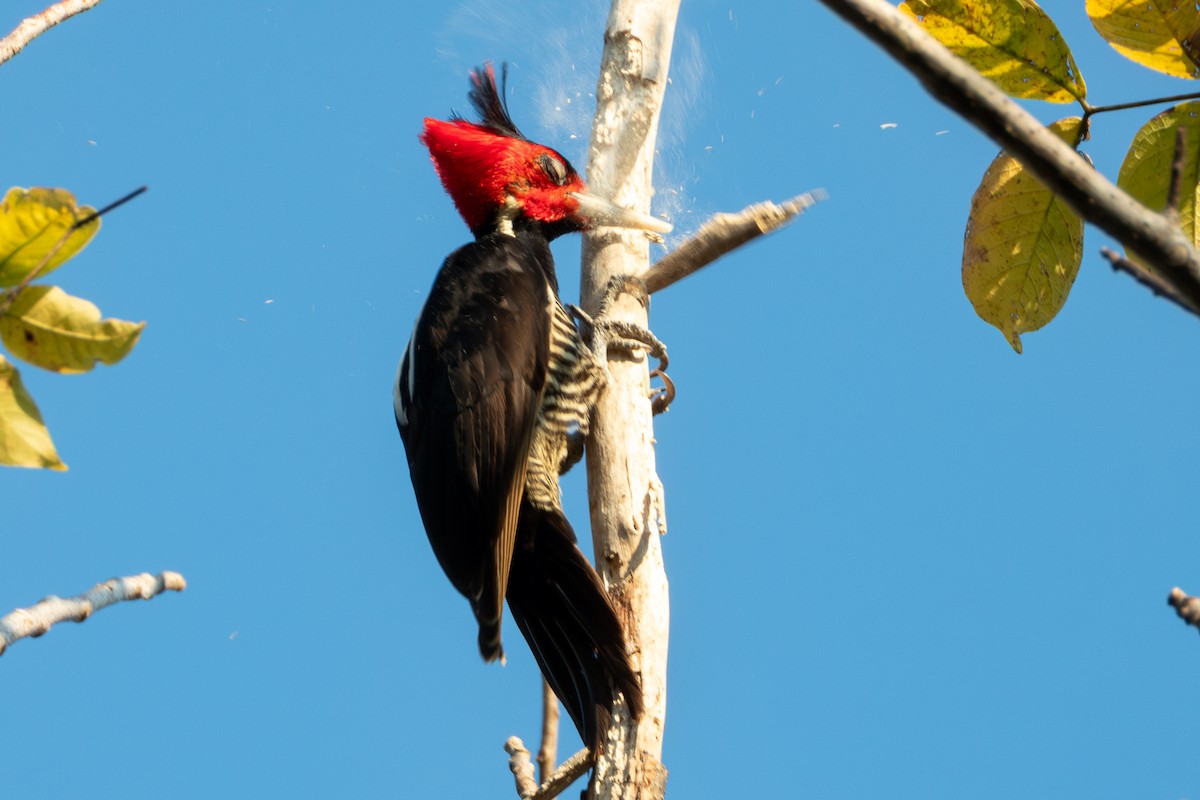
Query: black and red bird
[(494, 383)]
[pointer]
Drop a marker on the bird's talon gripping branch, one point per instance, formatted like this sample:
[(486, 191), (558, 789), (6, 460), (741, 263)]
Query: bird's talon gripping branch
[(604, 333), (661, 397), (630, 338), (614, 334)]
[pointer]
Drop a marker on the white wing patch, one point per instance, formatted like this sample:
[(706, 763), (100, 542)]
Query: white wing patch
[(406, 376)]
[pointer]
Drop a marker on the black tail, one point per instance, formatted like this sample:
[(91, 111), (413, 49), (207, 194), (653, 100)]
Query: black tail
[(560, 605)]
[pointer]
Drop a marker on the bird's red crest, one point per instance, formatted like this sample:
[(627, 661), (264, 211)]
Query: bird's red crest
[(487, 166)]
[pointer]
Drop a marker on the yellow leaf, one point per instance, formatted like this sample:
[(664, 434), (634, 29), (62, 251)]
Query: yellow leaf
[(1022, 248), (51, 329), (1146, 171), (1162, 35), (24, 439), (1013, 42), (35, 229)]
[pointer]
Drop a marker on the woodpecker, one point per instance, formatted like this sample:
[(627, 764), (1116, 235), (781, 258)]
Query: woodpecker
[(495, 384)]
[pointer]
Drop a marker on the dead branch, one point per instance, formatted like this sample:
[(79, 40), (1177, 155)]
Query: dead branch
[(34, 621), (624, 490), (1186, 606), (521, 765), (979, 101), (567, 773), (548, 752), (723, 234), (35, 26)]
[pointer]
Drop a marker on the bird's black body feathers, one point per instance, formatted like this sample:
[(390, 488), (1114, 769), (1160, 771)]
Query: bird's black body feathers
[(477, 410)]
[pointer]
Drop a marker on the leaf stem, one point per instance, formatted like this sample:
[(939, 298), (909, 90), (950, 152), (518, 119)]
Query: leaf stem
[(7, 298), (1089, 110), (114, 204)]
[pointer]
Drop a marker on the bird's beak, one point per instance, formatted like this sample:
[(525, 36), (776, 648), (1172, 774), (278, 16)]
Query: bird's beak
[(596, 211)]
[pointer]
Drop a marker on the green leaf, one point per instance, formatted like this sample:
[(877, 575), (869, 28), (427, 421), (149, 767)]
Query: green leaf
[(51, 329), (1022, 248), (1146, 171), (24, 439), (1013, 42), (1162, 35), (35, 231)]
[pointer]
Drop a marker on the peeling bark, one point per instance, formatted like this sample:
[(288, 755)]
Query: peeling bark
[(626, 496)]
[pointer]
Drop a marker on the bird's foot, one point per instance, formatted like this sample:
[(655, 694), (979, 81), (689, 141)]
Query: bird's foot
[(603, 333)]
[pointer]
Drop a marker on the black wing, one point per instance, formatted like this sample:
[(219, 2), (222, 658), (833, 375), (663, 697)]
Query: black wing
[(467, 397)]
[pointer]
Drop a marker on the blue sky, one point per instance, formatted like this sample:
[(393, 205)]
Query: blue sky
[(904, 561)]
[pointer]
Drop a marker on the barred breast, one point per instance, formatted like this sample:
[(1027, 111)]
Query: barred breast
[(574, 383)]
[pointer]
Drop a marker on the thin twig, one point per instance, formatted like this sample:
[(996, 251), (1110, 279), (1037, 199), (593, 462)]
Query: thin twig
[(1151, 280), (1186, 606), (35, 26), (723, 233), (568, 772), (36, 620), (979, 101), (521, 765), (548, 752)]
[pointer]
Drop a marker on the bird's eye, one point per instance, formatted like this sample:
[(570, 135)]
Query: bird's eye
[(554, 168)]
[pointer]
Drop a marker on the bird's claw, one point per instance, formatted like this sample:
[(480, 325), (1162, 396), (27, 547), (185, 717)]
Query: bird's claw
[(662, 397), (604, 333)]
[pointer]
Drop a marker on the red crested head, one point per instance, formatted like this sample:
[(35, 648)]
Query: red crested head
[(495, 175)]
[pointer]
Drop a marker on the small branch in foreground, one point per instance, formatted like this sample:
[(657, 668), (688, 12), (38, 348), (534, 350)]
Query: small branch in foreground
[(1186, 606), (548, 752), (32, 622), (979, 101), (1150, 280), (522, 769), (568, 772), (722, 234), (35, 26)]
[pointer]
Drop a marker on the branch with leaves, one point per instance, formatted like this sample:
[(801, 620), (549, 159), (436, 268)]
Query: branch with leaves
[(36, 620), (33, 27), (40, 230), (1018, 272)]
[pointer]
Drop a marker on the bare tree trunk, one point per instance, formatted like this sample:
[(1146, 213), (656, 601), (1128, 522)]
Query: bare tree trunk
[(625, 493)]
